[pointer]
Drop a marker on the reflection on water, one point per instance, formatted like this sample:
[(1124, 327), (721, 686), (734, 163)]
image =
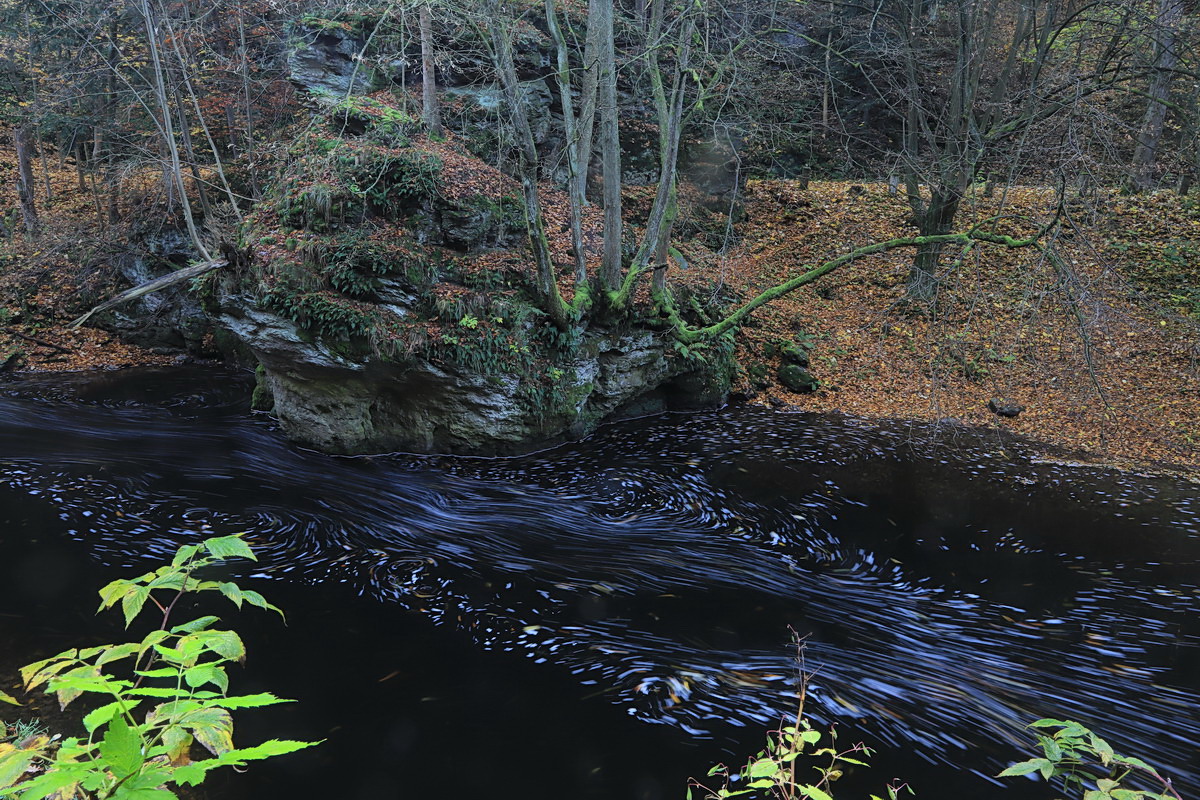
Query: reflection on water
[(948, 590)]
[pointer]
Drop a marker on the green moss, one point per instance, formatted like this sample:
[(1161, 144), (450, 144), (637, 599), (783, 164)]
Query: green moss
[(262, 399), (797, 378), (379, 121), (322, 313)]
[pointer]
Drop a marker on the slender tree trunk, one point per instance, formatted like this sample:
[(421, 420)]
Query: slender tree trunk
[(1166, 56), (81, 165), (189, 152), (174, 166), (610, 145), (656, 243), (528, 163), (29, 215), (431, 112), (248, 142), (587, 98), (45, 171), (574, 190), (187, 67), (1191, 137)]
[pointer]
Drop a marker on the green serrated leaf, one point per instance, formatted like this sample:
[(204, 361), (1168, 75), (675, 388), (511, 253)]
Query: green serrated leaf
[(184, 554), (115, 652), (269, 748), (147, 785), (256, 599), (206, 673), (60, 782), (1135, 762), (268, 699), (232, 591), (39, 672), (813, 792), (212, 727), (761, 783), (157, 672), (153, 691), (121, 748), (198, 624), (177, 742), (763, 768), (229, 547), (1103, 749), (227, 644), (1024, 767), (13, 765), (132, 603), (193, 774), (105, 713), (114, 591)]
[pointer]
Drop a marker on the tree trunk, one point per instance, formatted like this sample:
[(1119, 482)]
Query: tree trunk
[(574, 190), (528, 161), (25, 196), (610, 145), (173, 168), (587, 98), (189, 152), (936, 218), (431, 112), (1166, 56)]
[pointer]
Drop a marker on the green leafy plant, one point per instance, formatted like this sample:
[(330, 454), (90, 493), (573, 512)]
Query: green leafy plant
[(170, 702), (774, 771), (1082, 761)]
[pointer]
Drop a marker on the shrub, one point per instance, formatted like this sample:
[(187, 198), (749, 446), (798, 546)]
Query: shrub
[(1080, 760), (172, 701)]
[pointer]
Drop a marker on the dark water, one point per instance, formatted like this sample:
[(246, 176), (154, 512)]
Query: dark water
[(606, 618)]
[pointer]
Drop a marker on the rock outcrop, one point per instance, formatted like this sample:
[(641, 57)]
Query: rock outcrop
[(343, 404)]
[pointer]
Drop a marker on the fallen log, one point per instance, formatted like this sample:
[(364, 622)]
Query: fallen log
[(36, 340), (178, 276)]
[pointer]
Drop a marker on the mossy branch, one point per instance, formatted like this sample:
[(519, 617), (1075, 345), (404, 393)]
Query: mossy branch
[(967, 239)]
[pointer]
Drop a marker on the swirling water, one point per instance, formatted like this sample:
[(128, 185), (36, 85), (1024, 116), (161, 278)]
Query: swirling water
[(948, 589)]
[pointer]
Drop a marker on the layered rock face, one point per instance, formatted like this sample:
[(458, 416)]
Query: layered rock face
[(345, 405)]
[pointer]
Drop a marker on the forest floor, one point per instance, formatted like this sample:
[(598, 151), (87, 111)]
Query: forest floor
[(1102, 352)]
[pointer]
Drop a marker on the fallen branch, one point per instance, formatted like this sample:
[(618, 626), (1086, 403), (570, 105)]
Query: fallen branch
[(171, 279), (36, 340)]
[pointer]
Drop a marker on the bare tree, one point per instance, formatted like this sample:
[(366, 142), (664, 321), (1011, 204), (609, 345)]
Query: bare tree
[(23, 140), (1166, 57), (431, 112)]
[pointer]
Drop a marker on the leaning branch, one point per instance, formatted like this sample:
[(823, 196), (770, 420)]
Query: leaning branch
[(178, 276), (688, 334)]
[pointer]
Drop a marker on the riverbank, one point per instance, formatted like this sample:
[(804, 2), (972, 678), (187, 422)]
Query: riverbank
[(1102, 352)]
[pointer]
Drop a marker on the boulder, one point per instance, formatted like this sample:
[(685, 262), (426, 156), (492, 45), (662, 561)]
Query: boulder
[(794, 353), (797, 379), (1004, 408), (325, 61), (165, 321)]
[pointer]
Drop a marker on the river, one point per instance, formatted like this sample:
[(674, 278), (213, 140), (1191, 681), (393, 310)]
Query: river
[(608, 617)]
